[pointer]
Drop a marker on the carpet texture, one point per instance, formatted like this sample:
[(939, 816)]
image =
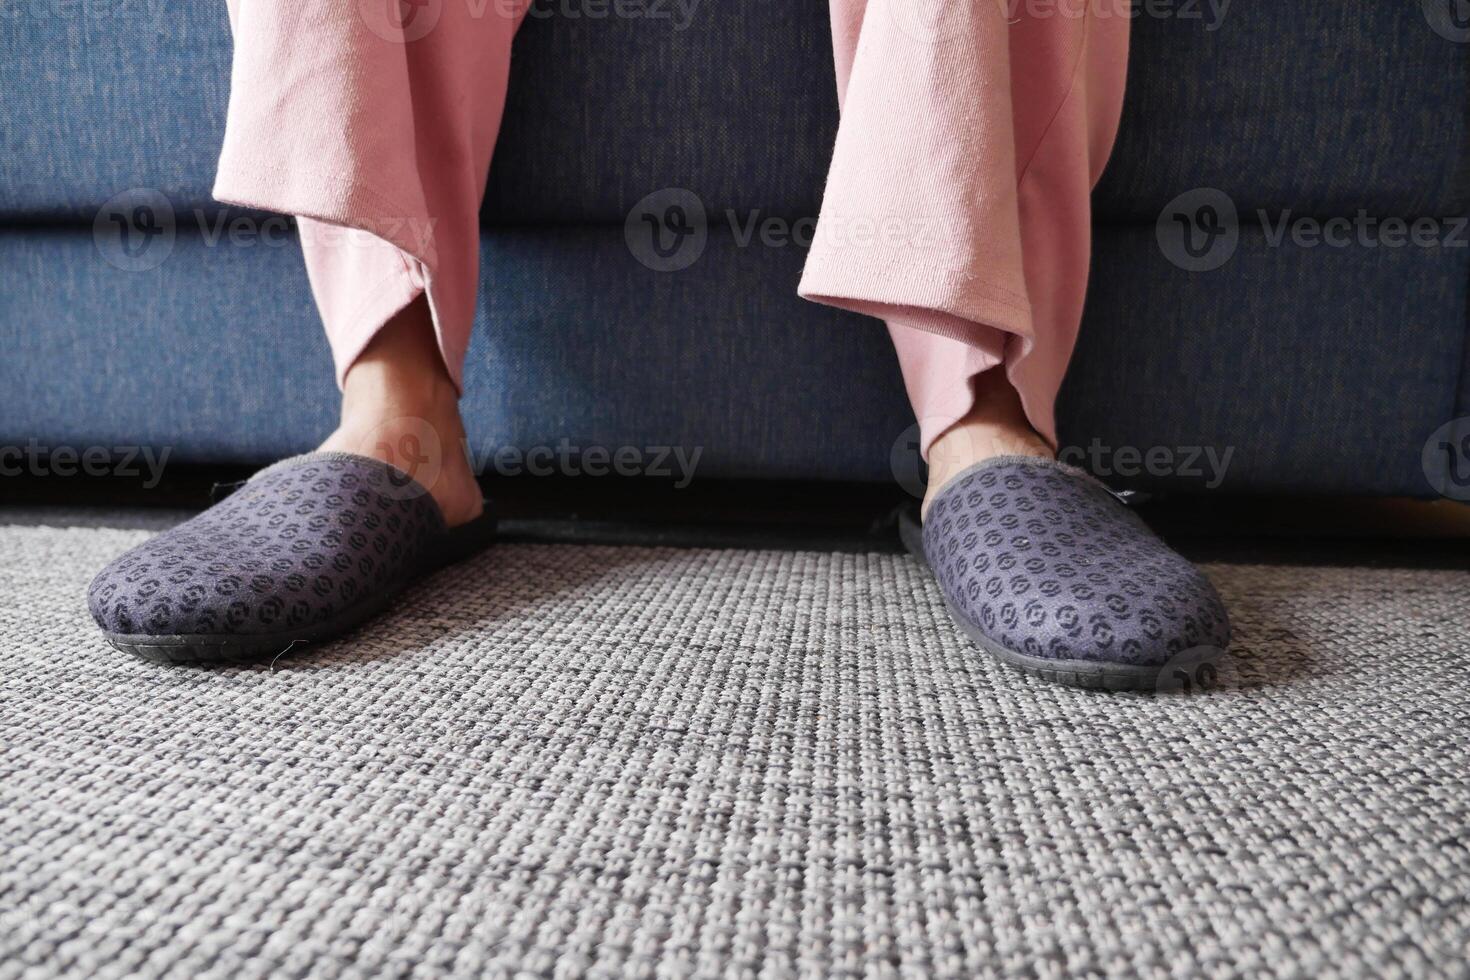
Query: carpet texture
[(622, 762)]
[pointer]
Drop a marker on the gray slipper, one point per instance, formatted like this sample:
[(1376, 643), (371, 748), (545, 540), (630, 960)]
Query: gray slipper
[(1043, 567), (303, 551)]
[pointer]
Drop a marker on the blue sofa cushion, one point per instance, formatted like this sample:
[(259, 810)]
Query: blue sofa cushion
[(1294, 361), (1322, 108), (1358, 103)]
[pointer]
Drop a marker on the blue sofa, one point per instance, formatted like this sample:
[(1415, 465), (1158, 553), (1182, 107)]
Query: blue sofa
[(1320, 367)]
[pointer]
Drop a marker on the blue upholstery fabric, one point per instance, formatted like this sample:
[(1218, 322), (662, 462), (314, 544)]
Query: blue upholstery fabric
[(1323, 369), (1324, 109), (574, 340), (1352, 104), (102, 97)]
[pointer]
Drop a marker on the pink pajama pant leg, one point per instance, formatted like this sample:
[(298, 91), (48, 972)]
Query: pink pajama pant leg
[(956, 208), (374, 123), (958, 201)]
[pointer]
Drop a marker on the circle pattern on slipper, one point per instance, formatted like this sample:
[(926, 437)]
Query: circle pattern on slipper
[(1043, 560), (301, 543)]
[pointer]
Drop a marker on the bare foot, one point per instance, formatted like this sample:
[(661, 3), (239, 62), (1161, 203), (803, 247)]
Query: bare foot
[(996, 426), (399, 405)]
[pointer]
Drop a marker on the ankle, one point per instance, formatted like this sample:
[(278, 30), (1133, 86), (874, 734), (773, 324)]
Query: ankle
[(400, 405), (995, 426), (400, 382), (432, 453), (376, 390), (401, 371)]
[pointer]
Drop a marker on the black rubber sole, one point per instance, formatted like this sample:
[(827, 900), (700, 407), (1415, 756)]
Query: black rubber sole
[(1090, 674), (215, 649), (204, 648)]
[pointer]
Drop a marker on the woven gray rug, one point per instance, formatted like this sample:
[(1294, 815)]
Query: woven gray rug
[(620, 762)]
